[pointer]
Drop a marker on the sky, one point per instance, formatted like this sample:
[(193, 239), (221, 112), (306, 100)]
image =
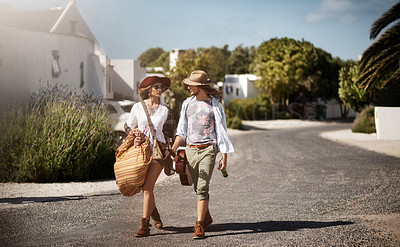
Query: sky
[(127, 28)]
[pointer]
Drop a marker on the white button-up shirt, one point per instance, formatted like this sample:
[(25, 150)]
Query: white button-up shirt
[(138, 119)]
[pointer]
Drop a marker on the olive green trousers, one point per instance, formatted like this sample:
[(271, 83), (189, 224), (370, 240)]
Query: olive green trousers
[(201, 166)]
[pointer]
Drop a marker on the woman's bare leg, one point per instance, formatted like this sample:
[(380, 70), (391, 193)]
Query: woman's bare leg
[(149, 204)]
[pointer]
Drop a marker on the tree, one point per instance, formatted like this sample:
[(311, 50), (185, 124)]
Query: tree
[(186, 63), (218, 57), (212, 60), (323, 77), (162, 61), (149, 56), (287, 66), (240, 59), (379, 65), (352, 96)]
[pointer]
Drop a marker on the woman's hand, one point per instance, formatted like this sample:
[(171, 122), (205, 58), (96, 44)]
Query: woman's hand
[(137, 141)]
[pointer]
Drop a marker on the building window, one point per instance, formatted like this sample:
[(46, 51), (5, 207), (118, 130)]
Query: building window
[(229, 89), (55, 66), (237, 91), (82, 68)]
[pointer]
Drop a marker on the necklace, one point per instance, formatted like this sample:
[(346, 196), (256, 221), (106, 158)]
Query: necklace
[(152, 110)]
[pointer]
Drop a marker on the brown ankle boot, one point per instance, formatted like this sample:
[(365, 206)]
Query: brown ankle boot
[(199, 230), (157, 220), (207, 220), (144, 228)]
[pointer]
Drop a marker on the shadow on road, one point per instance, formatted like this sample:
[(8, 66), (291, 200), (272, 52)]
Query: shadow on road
[(25, 200), (259, 227)]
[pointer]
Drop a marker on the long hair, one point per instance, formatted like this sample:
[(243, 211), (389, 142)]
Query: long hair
[(144, 93), (210, 90)]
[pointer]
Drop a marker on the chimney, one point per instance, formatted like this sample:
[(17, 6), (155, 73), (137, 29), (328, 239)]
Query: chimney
[(58, 6)]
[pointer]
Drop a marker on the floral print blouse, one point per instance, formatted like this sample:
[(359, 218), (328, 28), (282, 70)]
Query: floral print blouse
[(201, 123)]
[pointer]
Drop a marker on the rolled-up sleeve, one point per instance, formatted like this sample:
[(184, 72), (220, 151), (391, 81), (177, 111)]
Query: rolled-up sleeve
[(223, 141)]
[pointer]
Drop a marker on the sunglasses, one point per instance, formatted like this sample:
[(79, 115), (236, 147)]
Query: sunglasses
[(156, 87)]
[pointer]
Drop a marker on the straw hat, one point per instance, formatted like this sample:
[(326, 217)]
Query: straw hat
[(197, 78)]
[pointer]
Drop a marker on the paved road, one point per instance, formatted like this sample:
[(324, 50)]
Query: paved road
[(286, 187)]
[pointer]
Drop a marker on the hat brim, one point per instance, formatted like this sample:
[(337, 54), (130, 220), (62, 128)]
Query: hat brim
[(155, 79), (187, 81)]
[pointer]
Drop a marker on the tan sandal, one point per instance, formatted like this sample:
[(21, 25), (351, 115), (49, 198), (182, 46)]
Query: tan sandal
[(157, 220)]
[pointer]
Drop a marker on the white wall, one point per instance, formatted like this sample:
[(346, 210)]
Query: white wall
[(126, 78), (173, 57), (252, 91), (240, 87), (27, 54), (94, 79), (27, 60), (387, 121)]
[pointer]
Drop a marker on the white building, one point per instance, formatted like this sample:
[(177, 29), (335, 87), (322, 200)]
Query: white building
[(125, 78), (174, 56), (240, 87), (48, 47)]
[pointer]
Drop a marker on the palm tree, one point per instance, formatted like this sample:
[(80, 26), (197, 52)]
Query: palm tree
[(380, 64)]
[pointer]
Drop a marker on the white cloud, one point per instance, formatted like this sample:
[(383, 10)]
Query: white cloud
[(336, 5), (348, 11)]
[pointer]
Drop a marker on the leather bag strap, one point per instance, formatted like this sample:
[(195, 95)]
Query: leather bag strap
[(152, 131)]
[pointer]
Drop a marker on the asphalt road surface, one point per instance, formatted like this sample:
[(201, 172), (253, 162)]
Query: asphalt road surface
[(286, 187)]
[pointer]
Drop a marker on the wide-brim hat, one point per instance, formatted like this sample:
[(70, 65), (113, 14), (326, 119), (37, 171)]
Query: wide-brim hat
[(197, 78), (154, 79)]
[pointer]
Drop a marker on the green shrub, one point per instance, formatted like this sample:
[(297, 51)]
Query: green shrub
[(235, 123), (57, 136), (365, 121), (250, 109)]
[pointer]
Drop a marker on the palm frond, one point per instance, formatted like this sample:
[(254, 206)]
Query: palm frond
[(389, 41), (379, 70), (390, 16), (377, 58), (395, 78)]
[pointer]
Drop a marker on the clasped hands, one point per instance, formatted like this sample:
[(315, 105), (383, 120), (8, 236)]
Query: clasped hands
[(139, 139)]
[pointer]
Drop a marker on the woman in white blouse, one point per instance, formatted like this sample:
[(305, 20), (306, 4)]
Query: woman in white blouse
[(150, 91)]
